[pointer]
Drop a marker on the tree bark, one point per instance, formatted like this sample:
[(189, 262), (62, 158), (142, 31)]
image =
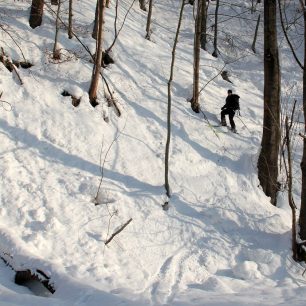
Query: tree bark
[(167, 186), (56, 52), (36, 14), (255, 35), (148, 35), (302, 216), (203, 25), (215, 53), (70, 35), (95, 29), (195, 105), (268, 158), (98, 59), (290, 184)]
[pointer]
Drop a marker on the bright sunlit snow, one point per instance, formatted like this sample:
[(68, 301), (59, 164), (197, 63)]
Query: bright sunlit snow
[(220, 242)]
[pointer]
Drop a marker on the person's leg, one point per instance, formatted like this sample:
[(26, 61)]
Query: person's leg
[(231, 119), (223, 120)]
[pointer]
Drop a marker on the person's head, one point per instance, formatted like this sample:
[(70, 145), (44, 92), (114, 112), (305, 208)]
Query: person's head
[(229, 92)]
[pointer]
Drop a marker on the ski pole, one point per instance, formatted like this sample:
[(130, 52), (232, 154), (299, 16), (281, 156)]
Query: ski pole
[(243, 123)]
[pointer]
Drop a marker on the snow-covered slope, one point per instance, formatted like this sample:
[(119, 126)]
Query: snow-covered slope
[(220, 242)]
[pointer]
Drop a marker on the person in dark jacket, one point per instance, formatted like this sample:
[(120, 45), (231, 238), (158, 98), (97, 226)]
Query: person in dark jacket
[(229, 109)]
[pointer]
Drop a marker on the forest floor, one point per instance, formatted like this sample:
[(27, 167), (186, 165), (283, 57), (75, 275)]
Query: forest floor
[(220, 242)]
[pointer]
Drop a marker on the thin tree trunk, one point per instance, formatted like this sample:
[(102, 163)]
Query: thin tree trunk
[(98, 59), (203, 25), (36, 14), (215, 53), (195, 105), (95, 29), (70, 35), (302, 217), (167, 187), (290, 195), (286, 35), (56, 52), (268, 158), (255, 35), (148, 35)]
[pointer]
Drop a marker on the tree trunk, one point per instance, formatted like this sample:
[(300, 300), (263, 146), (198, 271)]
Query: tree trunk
[(255, 35), (142, 4), (95, 29), (288, 128), (215, 53), (37, 9), (203, 25), (167, 187), (302, 217), (70, 35), (195, 105), (98, 59), (149, 20), (268, 158), (56, 52)]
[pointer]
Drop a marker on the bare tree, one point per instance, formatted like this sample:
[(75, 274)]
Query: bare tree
[(302, 217), (289, 174), (70, 35), (56, 51), (149, 20), (95, 28), (195, 105), (204, 25), (37, 9), (215, 53), (255, 35), (286, 35), (98, 58), (268, 158), (167, 186)]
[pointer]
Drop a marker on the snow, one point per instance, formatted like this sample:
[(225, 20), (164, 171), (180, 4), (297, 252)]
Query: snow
[(219, 243)]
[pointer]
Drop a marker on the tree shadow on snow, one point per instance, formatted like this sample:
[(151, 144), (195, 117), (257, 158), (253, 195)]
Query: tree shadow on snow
[(52, 154)]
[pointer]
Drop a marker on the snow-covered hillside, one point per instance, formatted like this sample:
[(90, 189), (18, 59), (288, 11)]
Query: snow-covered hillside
[(219, 243)]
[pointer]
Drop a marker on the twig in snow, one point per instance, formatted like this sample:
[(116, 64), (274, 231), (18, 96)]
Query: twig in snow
[(9, 65), (2, 103), (118, 231), (10, 35), (96, 201), (18, 75)]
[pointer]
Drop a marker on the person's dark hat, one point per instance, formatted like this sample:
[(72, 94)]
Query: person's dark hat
[(229, 91)]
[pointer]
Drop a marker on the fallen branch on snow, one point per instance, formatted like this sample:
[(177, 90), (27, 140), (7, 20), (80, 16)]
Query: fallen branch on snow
[(118, 231)]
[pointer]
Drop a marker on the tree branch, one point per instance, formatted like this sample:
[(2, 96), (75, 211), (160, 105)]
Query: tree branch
[(118, 231), (286, 36)]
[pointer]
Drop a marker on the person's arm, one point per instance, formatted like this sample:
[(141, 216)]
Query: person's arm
[(225, 105)]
